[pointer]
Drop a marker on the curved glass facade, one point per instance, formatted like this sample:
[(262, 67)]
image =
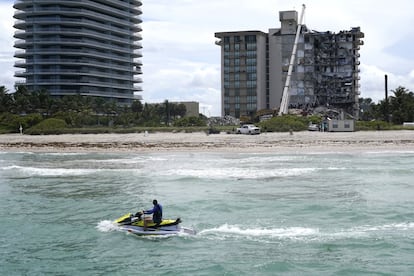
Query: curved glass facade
[(87, 47)]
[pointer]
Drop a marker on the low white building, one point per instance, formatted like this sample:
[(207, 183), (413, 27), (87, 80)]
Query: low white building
[(341, 125)]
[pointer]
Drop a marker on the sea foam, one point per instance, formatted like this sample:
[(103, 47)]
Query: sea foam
[(106, 226), (34, 171)]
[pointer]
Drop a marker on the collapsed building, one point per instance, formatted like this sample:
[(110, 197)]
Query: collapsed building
[(330, 70), (255, 66)]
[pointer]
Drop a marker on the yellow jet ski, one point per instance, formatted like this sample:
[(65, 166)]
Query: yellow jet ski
[(134, 223)]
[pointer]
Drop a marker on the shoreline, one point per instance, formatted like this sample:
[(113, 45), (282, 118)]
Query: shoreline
[(304, 141)]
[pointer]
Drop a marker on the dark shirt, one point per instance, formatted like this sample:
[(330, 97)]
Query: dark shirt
[(157, 213)]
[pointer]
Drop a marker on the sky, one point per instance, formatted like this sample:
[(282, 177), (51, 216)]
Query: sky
[(182, 63)]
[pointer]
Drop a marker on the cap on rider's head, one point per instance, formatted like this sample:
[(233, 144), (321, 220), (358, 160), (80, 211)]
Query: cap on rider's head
[(155, 202)]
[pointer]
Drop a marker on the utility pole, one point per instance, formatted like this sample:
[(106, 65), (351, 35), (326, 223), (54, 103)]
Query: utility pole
[(386, 115)]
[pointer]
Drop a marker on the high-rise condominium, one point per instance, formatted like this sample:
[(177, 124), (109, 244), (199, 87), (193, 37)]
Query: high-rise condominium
[(86, 47)]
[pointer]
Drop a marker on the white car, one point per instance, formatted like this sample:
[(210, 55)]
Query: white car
[(248, 129), (313, 127)]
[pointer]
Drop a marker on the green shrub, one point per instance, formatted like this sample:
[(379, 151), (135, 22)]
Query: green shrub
[(8, 122), (48, 126), (12, 122), (285, 123), (373, 125), (189, 122)]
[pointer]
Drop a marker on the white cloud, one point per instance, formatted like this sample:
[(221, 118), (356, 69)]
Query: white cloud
[(182, 63), (6, 45)]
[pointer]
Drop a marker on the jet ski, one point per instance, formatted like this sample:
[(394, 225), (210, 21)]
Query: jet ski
[(134, 223)]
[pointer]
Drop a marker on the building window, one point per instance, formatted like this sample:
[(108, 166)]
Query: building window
[(226, 100), (251, 46), (237, 113), (251, 92), (251, 99), (251, 76), (251, 69), (251, 106), (251, 61), (250, 38), (251, 84), (251, 53)]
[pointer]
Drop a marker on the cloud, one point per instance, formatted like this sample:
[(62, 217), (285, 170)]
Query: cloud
[(6, 45), (182, 63)]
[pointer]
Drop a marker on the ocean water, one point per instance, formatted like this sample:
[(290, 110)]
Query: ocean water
[(255, 214)]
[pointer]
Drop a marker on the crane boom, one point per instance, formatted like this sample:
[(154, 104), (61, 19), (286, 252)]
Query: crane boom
[(284, 105)]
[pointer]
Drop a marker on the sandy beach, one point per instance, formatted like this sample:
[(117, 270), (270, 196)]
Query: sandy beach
[(305, 141)]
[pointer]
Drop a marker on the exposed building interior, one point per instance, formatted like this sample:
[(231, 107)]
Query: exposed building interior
[(330, 71)]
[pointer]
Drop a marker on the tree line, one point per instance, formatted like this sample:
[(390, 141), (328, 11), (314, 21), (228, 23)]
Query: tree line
[(28, 108), (397, 109)]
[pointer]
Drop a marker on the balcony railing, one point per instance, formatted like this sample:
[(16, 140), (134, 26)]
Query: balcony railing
[(80, 11), (94, 5), (129, 67), (83, 22)]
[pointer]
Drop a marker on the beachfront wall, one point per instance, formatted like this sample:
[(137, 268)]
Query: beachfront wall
[(341, 125)]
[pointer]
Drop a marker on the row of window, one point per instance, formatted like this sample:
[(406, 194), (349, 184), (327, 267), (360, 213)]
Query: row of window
[(249, 53), (236, 76), (248, 106), (237, 47), (236, 61), (235, 69), (237, 108), (238, 39), (236, 92), (236, 84)]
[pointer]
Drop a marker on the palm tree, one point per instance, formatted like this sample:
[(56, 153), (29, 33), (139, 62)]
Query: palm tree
[(136, 106), (366, 109), (5, 100), (167, 112), (402, 105), (22, 100)]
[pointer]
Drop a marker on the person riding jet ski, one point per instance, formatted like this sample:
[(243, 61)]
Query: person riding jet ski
[(140, 224), (156, 212)]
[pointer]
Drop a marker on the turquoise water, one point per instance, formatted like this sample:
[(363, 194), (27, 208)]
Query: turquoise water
[(255, 214)]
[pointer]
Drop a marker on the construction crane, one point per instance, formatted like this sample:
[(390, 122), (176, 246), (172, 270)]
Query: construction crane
[(284, 105)]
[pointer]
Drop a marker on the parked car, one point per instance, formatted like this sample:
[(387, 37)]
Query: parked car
[(248, 129), (313, 127)]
